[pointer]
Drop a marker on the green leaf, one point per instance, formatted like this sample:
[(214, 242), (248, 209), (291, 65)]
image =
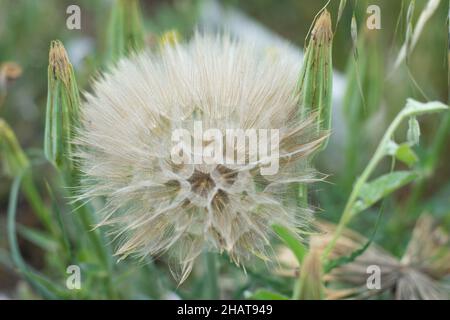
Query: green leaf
[(264, 294), (354, 35), (346, 259), (342, 4), (292, 241), (391, 148), (330, 265), (405, 154), (372, 192), (41, 239), (414, 108)]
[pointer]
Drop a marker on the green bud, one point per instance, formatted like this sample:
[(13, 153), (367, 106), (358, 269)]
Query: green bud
[(63, 103), (125, 31), (316, 77), (364, 80), (413, 133), (13, 158)]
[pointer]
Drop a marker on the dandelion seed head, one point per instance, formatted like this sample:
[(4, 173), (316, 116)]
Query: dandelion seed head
[(156, 206)]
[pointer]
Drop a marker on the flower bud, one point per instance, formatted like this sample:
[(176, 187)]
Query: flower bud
[(125, 31), (316, 77), (63, 102)]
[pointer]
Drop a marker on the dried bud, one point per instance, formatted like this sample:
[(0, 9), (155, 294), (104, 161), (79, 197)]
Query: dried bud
[(310, 284), (9, 71)]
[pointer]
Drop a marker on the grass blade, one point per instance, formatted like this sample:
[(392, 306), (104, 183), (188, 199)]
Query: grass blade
[(292, 242)]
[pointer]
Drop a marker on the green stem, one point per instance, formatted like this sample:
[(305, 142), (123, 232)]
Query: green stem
[(380, 152), (95, 237), (297, 288), (212, 284), (351, 155), (431, 161), (303, 195)]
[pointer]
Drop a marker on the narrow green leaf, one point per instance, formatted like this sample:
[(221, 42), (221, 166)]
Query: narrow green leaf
[(372, 192), (292, 241), (354, 35), (41, 239), (342, 4), (413, 33), (405, 154), (264, 294), (330, 265)]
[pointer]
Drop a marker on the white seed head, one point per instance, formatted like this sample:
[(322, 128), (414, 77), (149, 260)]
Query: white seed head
[(158, 207)]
